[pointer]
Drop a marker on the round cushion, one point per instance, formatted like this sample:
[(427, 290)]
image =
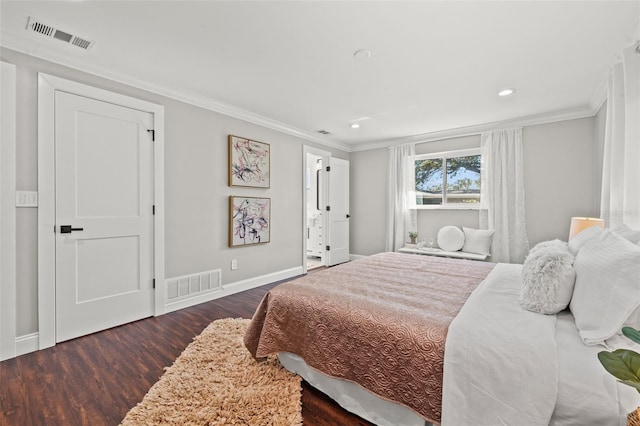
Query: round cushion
[(450, 238)]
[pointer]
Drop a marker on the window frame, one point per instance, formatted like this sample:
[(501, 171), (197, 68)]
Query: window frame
[(444, 156)]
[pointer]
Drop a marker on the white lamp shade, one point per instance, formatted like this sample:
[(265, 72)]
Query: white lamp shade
[(579, 224)]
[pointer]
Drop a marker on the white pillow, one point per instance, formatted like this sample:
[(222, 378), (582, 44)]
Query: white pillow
[(633, 320), (577, 242), (450, 238), (627, 233), (607, 289), (548, 278), (477, 240)]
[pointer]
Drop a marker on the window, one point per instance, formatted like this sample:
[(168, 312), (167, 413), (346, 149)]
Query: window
[(448, 179)]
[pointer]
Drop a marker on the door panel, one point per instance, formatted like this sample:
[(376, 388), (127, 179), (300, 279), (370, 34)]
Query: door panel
[(97, 184), (99, 280), (338, 178), (104, 187)]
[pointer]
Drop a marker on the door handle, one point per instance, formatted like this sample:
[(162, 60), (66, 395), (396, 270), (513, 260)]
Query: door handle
[(67, 229)]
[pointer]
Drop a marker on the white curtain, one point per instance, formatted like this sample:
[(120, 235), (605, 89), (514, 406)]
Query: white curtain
[(401, 213), (502, 194), (620, 202)]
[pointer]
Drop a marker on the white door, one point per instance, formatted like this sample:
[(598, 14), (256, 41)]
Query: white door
[(338, 214), (104, 218)]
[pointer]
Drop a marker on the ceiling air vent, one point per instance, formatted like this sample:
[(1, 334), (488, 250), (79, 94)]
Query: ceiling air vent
[(324, 132), (47, 30)]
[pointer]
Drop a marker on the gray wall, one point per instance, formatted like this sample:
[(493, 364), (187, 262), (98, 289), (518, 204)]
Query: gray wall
[(368, 201), (562, 165), (562, 178), (196, 191), (599, 123), (559, 177)]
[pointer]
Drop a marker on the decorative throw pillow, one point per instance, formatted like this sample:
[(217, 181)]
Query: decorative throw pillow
[(548, 278), (606, 292), (477, 240), (579, 241), (450, 238)]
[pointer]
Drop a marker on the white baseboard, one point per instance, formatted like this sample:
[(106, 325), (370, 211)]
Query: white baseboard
[(27, 343), (30, 342), (355, 256), (232, 288)]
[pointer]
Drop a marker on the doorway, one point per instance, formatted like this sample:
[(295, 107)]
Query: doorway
[(326, 209), (93, 224), (314, 186)]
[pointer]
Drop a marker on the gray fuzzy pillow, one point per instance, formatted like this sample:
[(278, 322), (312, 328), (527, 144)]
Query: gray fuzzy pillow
[(548, 278)]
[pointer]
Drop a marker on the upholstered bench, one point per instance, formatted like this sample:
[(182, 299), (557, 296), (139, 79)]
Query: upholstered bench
[(444, 253), (465, 243)]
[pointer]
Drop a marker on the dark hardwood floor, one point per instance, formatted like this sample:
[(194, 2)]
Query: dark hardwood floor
[(94, 380)]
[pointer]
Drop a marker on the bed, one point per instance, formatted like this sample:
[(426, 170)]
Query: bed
[(380, 322), (510, 366), (373, 334)]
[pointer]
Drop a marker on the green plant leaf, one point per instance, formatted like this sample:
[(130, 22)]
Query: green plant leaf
[(623, 364), (631, 333)]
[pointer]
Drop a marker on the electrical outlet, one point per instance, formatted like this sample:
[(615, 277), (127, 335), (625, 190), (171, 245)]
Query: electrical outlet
[(234, 264)]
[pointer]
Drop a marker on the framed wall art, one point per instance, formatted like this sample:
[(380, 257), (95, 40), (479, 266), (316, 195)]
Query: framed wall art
[(249, 162), (249, 221)]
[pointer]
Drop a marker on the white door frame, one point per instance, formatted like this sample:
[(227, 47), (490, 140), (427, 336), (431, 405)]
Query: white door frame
[(8, 211), (324, 154), (47, 86)]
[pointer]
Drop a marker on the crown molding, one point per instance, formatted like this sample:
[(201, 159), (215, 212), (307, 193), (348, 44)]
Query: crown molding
[(72, 59), (531, 120)]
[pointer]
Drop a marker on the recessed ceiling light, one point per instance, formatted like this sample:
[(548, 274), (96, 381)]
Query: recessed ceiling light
[(506, 92), (354, 125), (362, 54)]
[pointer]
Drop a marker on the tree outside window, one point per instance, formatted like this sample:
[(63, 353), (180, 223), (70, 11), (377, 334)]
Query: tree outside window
[(448, 178)]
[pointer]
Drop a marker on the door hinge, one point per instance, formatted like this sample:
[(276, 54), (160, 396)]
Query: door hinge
[(328, 208), (328, 168), (153, 209), (154, 283), (153, 134), (328, 248)]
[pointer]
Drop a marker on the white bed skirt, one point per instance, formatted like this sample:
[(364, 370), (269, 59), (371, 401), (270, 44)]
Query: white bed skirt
[(353, 397)]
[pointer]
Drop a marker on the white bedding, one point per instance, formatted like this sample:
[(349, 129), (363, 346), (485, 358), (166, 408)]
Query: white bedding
[(353, 397), (507, 366), (587, 394)]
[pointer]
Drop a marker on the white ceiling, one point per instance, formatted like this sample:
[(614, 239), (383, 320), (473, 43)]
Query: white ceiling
[(434, 66)]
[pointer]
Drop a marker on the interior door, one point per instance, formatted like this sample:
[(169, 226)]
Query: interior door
[(338, 214), (104, 218)]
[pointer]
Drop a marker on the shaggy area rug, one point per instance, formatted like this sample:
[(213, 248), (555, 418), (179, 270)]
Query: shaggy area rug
[(215, 381)]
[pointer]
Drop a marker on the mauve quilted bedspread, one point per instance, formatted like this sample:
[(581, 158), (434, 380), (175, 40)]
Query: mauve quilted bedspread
[(380, 321)]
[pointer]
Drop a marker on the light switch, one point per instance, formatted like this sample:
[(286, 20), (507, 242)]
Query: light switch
[(26, 199)]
